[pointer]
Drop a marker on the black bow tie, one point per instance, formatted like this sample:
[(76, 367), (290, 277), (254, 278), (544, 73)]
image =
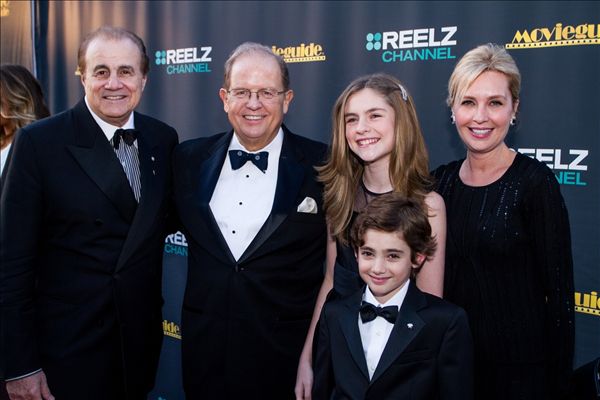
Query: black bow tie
[(240, 157), (368, 312), (128, 135)]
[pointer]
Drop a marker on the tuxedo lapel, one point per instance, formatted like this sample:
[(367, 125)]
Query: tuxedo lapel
[(349, 327), (289, 180), (407, 327), (152, 171), (97, 158), (203, 177)]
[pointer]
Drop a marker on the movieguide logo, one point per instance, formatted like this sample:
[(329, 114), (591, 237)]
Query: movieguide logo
[(171, 329), (302, 53), (557, 35), (4, 8), (587, 303)]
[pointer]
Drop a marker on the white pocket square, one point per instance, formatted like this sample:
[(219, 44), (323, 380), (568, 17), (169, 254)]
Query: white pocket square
[(308, 205)]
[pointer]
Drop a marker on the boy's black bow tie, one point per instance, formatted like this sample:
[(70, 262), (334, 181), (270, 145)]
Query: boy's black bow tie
[(368, 312)]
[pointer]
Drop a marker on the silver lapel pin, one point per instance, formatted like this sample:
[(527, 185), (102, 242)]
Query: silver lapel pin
[(409, 325)]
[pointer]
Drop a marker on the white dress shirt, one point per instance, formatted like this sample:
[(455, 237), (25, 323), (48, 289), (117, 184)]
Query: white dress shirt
[(375, 334), (4, 155), (108, 129), (243, 198)]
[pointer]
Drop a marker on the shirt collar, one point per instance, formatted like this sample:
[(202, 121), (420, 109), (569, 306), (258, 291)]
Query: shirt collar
[(273, 147), (108, 129), (396, 299)]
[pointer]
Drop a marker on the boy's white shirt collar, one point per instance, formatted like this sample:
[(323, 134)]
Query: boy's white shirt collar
[(396, 299), (375, 334)]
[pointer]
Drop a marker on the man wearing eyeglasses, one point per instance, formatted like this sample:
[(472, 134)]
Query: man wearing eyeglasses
[(251, 208)]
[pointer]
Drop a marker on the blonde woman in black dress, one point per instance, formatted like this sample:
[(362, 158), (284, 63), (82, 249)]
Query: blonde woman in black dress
[(508, 252)]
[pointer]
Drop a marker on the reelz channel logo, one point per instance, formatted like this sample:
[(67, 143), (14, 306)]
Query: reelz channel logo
[(567, 165), (176, 244), (185, 61), (414, 44)]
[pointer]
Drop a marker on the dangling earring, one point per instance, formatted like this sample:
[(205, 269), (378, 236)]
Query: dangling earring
[(513, 121), (453, 119)]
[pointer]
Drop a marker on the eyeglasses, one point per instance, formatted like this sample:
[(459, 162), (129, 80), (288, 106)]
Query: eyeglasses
[(261, 94)]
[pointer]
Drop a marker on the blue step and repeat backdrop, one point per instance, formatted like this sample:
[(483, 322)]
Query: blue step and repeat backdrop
[(326, 45)]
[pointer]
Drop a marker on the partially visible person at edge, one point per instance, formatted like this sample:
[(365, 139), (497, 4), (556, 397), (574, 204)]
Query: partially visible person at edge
[(508, 254), (21, 103), (377, 147), (84, 212), (251, 208)]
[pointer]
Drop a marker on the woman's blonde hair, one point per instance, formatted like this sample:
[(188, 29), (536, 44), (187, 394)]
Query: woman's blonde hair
[(487, 57), (22, 98), (409, 162)]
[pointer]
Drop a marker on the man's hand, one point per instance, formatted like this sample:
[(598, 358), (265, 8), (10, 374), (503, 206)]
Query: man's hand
[(32, 387)]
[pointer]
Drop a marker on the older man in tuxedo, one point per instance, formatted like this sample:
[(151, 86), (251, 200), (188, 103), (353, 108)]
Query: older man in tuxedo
[(252, 212), (84, 211)]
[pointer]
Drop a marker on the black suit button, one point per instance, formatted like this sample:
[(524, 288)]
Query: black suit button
[(98, 222)]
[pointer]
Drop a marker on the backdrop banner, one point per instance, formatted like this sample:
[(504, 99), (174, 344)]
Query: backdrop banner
[(328, 44), (16, 39)]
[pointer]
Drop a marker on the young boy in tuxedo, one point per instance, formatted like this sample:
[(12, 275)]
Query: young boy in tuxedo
[(390, 340)]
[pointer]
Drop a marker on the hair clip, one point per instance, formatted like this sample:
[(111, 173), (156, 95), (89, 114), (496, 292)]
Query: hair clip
[(404, 94)]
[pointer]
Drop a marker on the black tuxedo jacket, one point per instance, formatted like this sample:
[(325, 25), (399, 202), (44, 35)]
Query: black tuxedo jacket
[(428, 355), (81, 260), (244, 323)]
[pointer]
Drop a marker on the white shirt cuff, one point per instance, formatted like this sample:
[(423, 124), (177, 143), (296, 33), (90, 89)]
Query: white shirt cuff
[(22, 376)]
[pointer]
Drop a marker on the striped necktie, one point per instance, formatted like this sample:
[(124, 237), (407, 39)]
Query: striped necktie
[(127, 154)]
